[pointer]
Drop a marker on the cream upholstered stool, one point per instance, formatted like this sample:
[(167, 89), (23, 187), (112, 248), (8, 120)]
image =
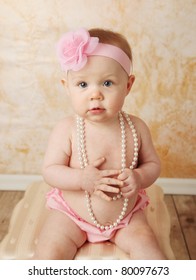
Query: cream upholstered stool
[(30, 212)]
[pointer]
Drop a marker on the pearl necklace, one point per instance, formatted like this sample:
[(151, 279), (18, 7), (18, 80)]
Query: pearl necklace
[(84, 162)]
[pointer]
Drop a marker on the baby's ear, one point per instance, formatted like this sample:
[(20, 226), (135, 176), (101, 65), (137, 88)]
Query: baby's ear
[(65, 85), (64, 82), (130, 82)]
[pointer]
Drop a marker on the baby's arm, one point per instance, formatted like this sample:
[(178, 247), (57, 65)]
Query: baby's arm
[(58, 173), (148, 169)]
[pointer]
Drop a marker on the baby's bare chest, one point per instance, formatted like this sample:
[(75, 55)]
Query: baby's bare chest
[(108, 145)]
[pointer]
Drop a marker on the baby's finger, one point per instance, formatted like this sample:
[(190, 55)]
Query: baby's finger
[(106, 188), (127, 191), (108, 173), (122, 176), (102, 195), (98, 162), (111, 181)]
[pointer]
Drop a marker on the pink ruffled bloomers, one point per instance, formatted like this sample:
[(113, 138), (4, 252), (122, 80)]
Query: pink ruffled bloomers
[(56, 201)]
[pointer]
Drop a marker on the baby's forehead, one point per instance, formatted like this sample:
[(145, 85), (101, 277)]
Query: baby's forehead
[(98, 65)]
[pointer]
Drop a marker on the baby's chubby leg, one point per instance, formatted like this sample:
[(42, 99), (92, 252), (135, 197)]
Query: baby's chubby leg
[(59, 239), (138, 239)]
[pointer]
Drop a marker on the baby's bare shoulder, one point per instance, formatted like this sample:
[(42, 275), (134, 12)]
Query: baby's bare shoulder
[(138, 123), (61, 136), (65, 125)]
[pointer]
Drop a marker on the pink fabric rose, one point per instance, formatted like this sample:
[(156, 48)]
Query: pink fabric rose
[(73, 49)]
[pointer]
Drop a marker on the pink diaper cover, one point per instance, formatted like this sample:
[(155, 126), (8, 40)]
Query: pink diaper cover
[(56, 201)]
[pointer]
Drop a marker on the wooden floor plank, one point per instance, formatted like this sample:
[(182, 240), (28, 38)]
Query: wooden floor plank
[(8, 200), (177, 239), (186, 208)]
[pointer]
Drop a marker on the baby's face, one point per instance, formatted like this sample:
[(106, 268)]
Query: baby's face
[(98, 90)]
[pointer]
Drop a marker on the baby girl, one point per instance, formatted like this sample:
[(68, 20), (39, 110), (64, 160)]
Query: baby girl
[(100, 159)]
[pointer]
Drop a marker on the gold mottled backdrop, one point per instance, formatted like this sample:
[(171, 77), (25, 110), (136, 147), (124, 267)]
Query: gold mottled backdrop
[(162, 36)]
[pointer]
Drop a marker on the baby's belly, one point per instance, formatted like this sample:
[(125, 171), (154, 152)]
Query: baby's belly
[(106, 212)]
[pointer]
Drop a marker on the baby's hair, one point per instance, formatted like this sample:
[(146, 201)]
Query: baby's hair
[(113, 38)]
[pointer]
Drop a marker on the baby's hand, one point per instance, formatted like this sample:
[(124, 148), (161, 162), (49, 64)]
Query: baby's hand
[(100, 181), (131, 182)]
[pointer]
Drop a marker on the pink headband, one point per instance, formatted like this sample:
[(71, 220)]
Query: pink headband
[(74, 47)]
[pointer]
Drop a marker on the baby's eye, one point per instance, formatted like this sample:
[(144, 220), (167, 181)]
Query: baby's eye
[(107, 83), (82, 84)]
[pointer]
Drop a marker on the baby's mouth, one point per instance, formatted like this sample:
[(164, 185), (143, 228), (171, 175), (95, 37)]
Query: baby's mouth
[(97, 110)]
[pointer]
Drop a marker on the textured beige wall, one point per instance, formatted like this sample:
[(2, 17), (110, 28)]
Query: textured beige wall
[(162, 35)]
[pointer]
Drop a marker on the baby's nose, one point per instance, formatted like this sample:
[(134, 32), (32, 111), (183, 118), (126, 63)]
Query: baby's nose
[(96, 95)]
